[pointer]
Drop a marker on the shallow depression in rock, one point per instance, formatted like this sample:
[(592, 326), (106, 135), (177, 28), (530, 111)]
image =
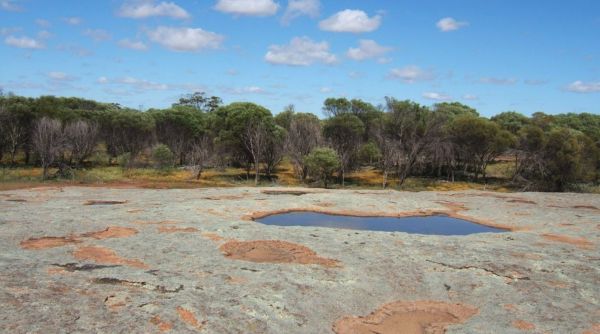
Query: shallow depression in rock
[(432, 225)]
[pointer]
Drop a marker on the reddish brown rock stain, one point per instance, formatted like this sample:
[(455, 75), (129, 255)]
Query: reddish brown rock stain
[(578, 242), (213, 236), (163, 326), (189, 318), (595, 329), (170, 229), (104, 255), (111, 232), (523, 325), (48, 242), (420, 317), (274, 251)]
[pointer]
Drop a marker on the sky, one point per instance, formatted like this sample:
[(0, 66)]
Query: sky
[(494, 55)]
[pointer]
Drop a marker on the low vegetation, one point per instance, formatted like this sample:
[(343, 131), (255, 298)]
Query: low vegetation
[(200, 141)]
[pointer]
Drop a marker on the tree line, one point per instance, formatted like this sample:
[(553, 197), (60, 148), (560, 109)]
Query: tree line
[(401, 138)]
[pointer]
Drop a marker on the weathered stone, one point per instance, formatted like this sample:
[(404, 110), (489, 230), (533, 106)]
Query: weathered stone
[(66, 267)]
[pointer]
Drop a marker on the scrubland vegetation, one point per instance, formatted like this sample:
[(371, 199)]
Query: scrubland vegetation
[(201, 142)]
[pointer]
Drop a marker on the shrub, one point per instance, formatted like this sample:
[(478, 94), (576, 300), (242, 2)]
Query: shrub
[(124, 160), (163, 156), (322, 163)]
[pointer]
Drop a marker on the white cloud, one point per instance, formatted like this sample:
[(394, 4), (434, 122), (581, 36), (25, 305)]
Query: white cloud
[(349, 20), (10, 6), (535, 82), (43, 23), (44, 34), (368, 49), (134, 45), (584, 87), (102, 80), (97, 35), (498, 81), (325, 90), (450, 24), (470, 97), (60, 76), (75, 50), (411, 74), (141, 84), (356, 75), (302, 51), (147, 8), (185, 39), (248, 7), (436, 96), (23, 42), (9, 30), (74, 20), (245, 90), (297, 8)]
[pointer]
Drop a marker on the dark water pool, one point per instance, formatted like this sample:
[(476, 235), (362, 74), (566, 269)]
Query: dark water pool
[(437, 224)]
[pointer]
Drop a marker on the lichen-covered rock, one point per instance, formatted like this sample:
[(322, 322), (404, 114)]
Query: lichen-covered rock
[(92, 259)]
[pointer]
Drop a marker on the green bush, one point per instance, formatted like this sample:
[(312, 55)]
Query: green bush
[(163, 156), (322, 163), (124, 160)]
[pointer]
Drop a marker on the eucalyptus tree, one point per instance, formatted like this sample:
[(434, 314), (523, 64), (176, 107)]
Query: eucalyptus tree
[(48, 142), (304, 134), (345, 133), (414, 128)]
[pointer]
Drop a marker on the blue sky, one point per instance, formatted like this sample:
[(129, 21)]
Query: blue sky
[(495, 55)]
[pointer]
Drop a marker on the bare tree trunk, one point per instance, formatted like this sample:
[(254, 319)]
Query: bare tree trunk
[(385, 177), (256, 172)]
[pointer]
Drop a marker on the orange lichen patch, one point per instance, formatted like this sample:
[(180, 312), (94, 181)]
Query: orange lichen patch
[(418, 317), (163, 326), (510, 307), (236, 280), (105, 256), (558, 284), (171, 229), (112, 232), (213, 236), (273, 251), (56, 271), (325, 204), (579, 242), (523, 325), (189, 318), (102, 202), (453, 206), (48, 242), (594, 330), (115, 302)]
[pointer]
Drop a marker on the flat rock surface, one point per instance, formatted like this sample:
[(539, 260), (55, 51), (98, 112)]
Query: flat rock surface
[(91, 259)]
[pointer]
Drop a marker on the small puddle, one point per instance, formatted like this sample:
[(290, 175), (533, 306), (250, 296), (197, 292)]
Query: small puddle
[(432, 225)]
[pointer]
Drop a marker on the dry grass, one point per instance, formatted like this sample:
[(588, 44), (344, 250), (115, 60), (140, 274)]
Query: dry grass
[(368, 177)]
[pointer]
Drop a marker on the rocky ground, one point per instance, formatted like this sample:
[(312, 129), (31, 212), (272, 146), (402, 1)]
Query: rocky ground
[(105, 260)]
